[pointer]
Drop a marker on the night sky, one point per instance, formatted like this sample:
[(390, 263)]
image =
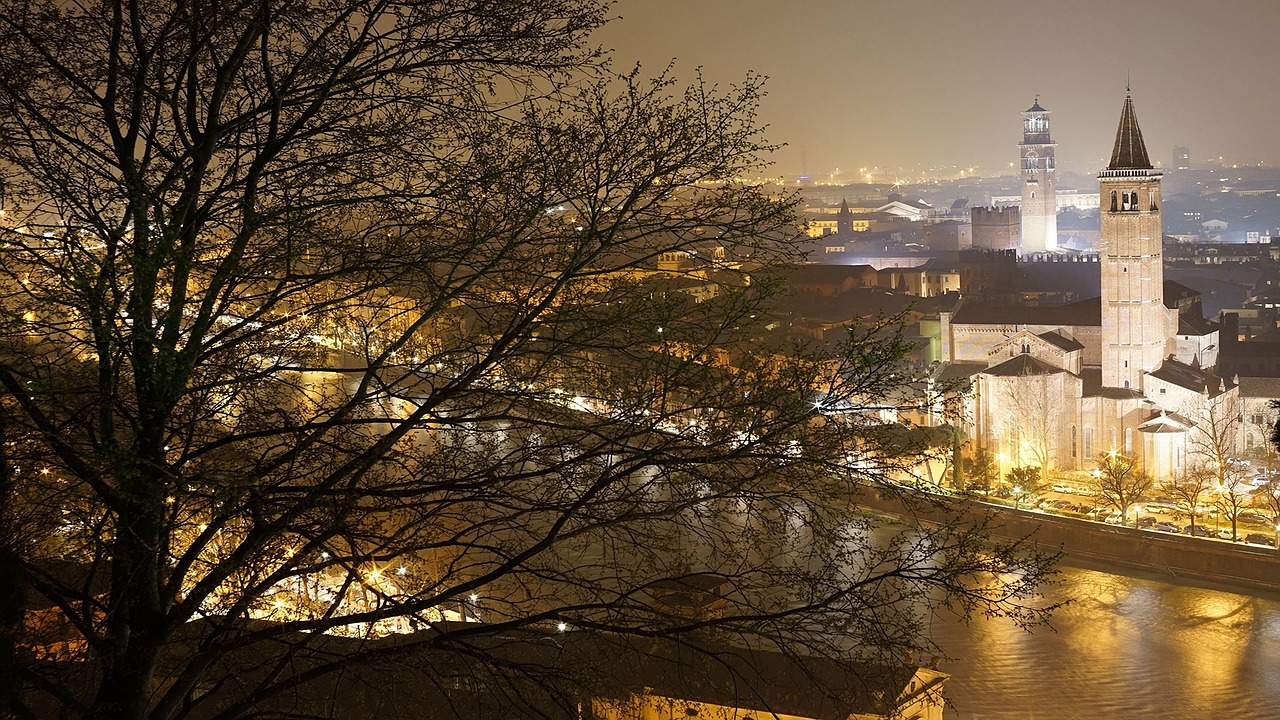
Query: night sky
[(909, 85)]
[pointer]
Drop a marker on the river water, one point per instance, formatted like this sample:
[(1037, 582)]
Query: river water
[(1125, 647)]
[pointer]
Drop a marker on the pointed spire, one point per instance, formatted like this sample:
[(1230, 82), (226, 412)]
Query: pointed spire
[(1130, 152)]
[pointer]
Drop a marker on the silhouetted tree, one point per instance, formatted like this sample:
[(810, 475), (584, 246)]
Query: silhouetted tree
[(981, 471), (322, 322)]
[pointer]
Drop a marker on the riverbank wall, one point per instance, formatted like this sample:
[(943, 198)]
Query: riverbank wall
[(1175, 557)]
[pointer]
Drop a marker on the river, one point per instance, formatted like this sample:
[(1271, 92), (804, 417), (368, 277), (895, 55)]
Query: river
[(1125, 647)]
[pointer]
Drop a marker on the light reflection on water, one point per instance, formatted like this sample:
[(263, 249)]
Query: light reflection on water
[(1125, 647)]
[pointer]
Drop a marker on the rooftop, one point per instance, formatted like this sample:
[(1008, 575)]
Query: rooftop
[(1188, 376), (1086, 313), (1130, 152), (1023, 364)]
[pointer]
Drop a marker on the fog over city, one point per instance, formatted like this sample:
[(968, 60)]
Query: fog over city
[(909, 86)]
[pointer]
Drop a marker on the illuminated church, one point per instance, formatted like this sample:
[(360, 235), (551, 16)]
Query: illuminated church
[(1129, 372)]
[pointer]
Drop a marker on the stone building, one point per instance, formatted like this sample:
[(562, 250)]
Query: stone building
[(996, 228), (1056, 387)]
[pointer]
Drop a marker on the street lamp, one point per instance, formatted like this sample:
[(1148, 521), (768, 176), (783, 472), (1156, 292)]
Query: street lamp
[(1017, 497)]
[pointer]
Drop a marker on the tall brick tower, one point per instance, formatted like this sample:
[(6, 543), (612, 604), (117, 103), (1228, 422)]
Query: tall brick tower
[(1134, 319), (1039, 183)]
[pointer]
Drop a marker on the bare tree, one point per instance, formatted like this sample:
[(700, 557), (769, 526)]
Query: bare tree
[(1267, 499), (1032, 425), (326, 322), (1120, 483), (1217, 428), (1233, 496), (1188, 488)]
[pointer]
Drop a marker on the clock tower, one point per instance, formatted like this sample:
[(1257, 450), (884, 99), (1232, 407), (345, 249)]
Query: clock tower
[(1039, 183)]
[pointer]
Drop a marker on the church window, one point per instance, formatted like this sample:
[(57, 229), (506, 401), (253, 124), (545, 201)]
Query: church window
[(1073, 441), (1088, 441), (1126, 382), (1128, 441), (1033, 194), (1113, 201)]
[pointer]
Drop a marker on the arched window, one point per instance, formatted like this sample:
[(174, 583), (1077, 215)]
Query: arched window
[(1113, 201)]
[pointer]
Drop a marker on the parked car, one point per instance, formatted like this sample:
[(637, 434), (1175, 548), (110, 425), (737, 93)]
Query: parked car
[(1199, 531), (1166, 527), (1260, 539), (1253, 518), (1145, 522)]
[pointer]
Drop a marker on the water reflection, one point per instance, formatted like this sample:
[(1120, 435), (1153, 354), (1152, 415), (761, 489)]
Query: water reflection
[(1124, 647)]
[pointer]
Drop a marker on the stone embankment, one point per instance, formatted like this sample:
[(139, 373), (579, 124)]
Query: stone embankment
[(1177, 557)]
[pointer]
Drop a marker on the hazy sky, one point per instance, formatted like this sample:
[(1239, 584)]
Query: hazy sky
[(921, 83)]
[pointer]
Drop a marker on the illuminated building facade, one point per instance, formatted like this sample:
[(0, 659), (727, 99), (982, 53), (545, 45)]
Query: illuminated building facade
[(1039, 183)]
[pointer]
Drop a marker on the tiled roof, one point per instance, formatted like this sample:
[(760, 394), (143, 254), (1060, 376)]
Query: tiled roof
[(1086, 313), (959, 371), (1193, 324), (1256, 387), (1023, 365), (1164, 423), (1187, 376), (1061, 341), (1090, 381), (1130, 152)]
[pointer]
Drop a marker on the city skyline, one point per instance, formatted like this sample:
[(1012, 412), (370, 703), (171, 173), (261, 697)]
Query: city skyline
[(938, 97)]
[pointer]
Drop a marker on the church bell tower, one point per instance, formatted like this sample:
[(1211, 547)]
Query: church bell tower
[(1134, 319), (1039, 183)]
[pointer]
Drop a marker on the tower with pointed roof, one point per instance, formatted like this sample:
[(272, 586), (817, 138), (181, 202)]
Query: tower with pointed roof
[(1039, 183), (1135, 322)]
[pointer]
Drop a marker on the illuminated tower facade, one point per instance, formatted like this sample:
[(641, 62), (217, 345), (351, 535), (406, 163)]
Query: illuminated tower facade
[(1039, 183), (1134, 320)]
